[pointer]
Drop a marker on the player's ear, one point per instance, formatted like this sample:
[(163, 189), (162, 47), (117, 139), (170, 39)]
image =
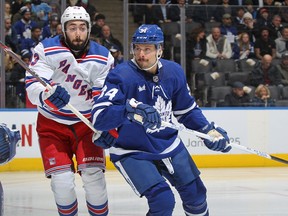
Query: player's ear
[(160, 51)]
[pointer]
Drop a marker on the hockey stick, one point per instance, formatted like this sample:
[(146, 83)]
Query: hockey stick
[(206, 136), (45, 84), (233, 145)]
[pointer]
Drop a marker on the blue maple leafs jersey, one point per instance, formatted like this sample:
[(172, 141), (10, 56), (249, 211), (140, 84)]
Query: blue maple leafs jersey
[(166, 91)]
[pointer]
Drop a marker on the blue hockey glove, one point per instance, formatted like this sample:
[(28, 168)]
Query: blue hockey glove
[(9, 139), (56, 98), (105, 139), (143, 114), (220, 138)]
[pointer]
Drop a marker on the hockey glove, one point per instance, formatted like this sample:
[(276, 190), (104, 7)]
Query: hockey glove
[(220, 138), (105, 139), (56, 98), (143, 114), (8, 141)]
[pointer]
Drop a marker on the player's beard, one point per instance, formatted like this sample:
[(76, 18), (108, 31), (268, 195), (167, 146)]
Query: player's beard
[(76, 44)]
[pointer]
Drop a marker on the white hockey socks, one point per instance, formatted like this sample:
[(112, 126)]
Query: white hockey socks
[(63, 185), (95, 188)]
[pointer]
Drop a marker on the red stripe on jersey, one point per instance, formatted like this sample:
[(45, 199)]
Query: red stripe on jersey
[(55, 48), (96, 93), (96, 57), (98, 211), (68, 211)]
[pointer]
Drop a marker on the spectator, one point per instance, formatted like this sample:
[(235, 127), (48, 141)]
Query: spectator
[(218, 47), (42, 10), (17, 79), (249, 7), (142, 11), (272, 5), (283, 11), (174, 11), (24, 26), (243, 48), (238, 19), (7, 12), (55, 7), (264, 44), (59, 29), (282, 43), (223, 8), (10, 35), (275, 27), (108, 40), (238, 97), (195, 49), (91, 10), (18, 72), (265, 73), (264, 18), (262, 97), (283, 69), (97, 26), (16, 5), (50, 30), (248, 26), (160, 12), (228, 29), (116, 53), (18, 15), (28, 44), (203, 13)]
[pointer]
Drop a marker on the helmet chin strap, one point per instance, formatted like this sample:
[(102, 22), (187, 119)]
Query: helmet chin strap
[(158, 56)]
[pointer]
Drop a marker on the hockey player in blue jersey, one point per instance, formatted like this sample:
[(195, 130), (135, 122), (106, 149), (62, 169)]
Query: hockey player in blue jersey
[(136, 97), (9, 139)]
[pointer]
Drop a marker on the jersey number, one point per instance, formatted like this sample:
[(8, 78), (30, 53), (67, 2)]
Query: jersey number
[(111, 93)]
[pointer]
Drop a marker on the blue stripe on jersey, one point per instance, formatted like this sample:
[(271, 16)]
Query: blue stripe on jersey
[(71, 117), (96, 60), (55, 52)]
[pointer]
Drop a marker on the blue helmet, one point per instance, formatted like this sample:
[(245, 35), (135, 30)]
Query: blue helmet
[(148, 34)]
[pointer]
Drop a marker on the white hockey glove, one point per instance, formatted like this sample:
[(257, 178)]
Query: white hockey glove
[(105, 139), (9, 140), (220, 138), (143, 114), (56, 98)]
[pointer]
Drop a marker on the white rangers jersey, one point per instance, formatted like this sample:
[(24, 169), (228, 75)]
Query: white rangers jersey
[(83, 77)]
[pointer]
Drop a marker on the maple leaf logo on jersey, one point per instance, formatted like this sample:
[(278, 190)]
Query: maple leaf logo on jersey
[(165, 110), (141, 88)]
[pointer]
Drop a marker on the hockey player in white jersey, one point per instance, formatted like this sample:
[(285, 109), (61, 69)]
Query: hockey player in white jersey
[(76, 67), (136, 97)]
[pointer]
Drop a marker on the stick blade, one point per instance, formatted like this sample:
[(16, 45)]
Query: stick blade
[(279, 159)]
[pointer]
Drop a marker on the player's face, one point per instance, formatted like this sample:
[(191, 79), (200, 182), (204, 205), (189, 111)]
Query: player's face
[(77, 33), (145, 55)]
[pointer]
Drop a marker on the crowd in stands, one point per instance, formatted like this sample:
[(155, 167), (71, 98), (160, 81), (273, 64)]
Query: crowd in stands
[(232, 30), (27, 22), (255, 31)]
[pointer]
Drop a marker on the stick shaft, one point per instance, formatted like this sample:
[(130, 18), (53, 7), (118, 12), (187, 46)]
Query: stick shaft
[(45, 84), (233, 145)]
